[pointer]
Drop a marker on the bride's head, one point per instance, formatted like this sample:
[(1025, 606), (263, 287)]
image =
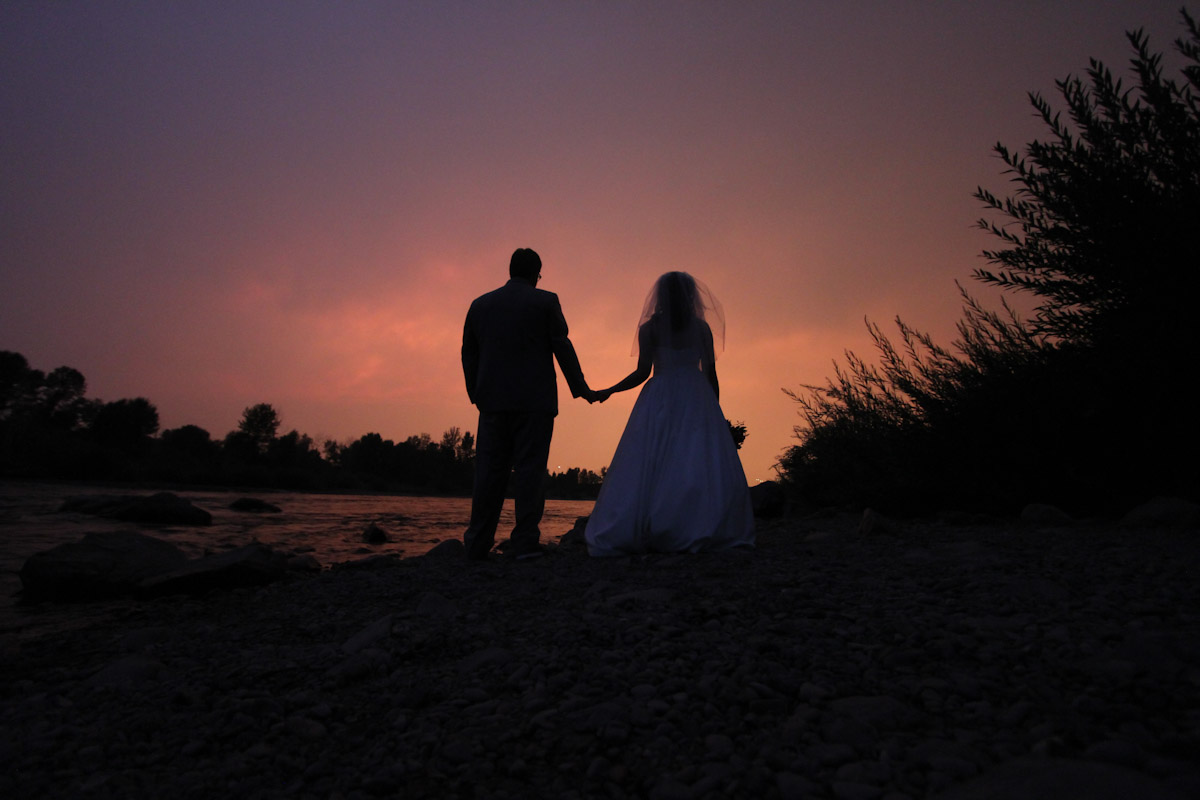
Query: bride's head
[(678, 301)]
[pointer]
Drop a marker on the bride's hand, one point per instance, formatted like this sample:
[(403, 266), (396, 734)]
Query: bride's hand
[(603, 395)]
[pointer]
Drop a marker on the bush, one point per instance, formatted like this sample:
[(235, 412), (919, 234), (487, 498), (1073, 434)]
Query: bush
[(1087, 404)]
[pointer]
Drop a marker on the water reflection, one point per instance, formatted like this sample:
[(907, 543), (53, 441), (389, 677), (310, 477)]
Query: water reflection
[(329, 526)]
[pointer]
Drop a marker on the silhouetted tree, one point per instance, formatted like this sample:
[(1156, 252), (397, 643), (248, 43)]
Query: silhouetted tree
[(1102, 227), (19, 385), (369, 454), (260, 422), (292, 449), (50, 429), (125, 423), (332, 451), (190, 440), (1087, 403), (62, 402), (573, 484), (451, 439)]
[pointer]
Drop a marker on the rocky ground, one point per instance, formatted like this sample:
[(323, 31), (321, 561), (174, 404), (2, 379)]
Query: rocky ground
[(956, 661)]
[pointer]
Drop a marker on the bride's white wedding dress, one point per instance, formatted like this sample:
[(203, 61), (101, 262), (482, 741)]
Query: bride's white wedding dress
[(675, 483)]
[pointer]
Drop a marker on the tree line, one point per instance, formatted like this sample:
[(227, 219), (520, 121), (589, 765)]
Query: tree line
[(51, 430), (1088, 404)]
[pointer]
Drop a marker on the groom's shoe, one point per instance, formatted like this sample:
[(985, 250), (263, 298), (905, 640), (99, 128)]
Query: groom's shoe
[(528, 552)]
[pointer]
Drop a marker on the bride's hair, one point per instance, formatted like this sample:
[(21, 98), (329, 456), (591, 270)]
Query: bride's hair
[(679, 299), (676, 302)]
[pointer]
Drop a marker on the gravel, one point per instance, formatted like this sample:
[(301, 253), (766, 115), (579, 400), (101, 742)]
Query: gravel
[(919, 660)]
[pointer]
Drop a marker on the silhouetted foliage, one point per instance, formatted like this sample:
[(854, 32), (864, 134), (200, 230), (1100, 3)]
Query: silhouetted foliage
[(241, 447), (452, 439), (34, 398), (259, 423), (189, 440), (574, 484), (125, 423), (738, 432), (1105, 210), (50, 430), (19, 385), (1087, 403), (62, 402)]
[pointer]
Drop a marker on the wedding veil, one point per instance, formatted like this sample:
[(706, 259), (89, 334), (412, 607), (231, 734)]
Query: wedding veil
[(675, 303)]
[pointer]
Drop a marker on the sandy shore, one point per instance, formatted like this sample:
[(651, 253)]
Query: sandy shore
[(932, 660)]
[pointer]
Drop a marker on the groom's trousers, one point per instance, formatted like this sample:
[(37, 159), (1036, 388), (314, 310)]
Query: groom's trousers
[(517, 443)]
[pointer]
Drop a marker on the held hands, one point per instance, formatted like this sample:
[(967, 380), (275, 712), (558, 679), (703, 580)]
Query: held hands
[(593, 396)]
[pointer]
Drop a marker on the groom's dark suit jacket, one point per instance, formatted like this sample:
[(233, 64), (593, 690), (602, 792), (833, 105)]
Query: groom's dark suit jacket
[(510, 340)]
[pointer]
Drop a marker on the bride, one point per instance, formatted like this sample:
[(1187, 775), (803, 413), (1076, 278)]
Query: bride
[(675, 483)]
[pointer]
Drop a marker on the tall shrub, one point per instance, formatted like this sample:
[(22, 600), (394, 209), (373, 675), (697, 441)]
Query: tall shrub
[(1087, 403)]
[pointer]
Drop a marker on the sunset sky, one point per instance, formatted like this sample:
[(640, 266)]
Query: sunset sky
[(216, 204)]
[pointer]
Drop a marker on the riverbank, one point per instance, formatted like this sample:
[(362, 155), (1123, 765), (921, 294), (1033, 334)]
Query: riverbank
[(926, 660)]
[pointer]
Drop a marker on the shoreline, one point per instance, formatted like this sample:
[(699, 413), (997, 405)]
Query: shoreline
[(928, 660), (150, 487)]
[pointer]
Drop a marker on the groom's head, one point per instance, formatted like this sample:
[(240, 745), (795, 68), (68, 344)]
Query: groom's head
[(525, 264)]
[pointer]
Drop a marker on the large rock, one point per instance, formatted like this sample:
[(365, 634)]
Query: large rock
[(163, 508), (446, 549), (253, 505), (101, 565), (1045, 514), (1164, 512), (574, 541), (252, 565), (374, 534)]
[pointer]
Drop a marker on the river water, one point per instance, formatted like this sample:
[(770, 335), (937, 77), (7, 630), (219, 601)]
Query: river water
[(328, 526)]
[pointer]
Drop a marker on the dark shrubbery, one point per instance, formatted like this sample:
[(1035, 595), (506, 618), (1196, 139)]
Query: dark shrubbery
[(50, 431), (1088, 403)]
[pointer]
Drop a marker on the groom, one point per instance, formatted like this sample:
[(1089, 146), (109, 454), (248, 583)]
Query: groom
[(510, 339)]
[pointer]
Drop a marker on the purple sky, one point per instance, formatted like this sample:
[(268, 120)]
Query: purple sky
[(218, 204)]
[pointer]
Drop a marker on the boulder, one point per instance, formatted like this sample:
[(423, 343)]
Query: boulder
[(253, 505), (252, 565), (163, 508), (373, 534), (447, 549), (303, 562), (370, 563), (1164, 512), (1044, 514), (768, 499), (573, 540), (101, 565)]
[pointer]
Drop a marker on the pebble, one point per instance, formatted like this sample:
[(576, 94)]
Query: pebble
[(828, 663)]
